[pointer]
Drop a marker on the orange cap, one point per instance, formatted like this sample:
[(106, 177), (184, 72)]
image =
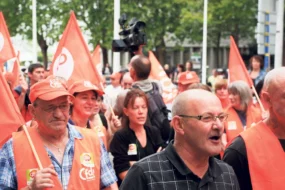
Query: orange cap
[(83, 85), (48, 89), (116, 75), (188, 77)]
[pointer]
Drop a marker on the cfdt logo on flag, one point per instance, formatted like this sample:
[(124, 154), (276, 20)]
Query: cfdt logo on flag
[(64, 64)]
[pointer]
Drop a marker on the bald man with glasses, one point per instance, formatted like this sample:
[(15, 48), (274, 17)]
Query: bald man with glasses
[(188, 162)]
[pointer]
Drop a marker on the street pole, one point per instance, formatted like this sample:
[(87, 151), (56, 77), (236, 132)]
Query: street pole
[(279, 34), (35, 41), (204, 52), (116, 55)]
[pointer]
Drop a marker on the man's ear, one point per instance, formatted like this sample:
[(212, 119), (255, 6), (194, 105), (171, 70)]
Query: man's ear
[(32, 110), (266, 98), (178, 125)]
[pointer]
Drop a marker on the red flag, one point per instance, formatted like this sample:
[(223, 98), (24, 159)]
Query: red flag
[(237, 69), (10, 117), (158, 73), (72, 59), (6, 49), (96, 55), (16, 70)]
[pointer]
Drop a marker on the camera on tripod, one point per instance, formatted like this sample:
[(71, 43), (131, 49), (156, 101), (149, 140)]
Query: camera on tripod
[(132, 35)]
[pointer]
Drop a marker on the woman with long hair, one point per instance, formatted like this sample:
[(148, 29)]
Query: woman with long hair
[(135, 140)]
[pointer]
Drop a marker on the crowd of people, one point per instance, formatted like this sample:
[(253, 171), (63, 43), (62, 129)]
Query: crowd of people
[(82, 137)]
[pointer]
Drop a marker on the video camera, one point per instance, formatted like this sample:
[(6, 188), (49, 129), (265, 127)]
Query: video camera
[(132, 35)]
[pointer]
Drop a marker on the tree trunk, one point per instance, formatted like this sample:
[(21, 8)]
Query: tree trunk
[(44, 47), (218, 50), (105, 55), (161, 52)]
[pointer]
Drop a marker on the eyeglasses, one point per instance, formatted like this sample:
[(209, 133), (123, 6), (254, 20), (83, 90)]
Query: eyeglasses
[(64, 107), (208, 117)]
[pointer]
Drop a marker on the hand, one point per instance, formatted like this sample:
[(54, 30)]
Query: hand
[(24, 86), (116, 122), (139, 51), (43, 178), (159, 149)]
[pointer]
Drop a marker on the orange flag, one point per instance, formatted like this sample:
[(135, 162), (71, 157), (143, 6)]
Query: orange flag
[(96, 55), (237, 69), (6, 49), (10, 117), (16, 70), (72, 59), (158, 73)]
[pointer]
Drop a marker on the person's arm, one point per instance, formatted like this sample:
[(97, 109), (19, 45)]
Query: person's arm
[(119, 149), (235, 156), (135, 179), (8, 168), (108, 179)]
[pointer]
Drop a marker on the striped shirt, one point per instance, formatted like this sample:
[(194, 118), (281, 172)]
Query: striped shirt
[(8, 176)]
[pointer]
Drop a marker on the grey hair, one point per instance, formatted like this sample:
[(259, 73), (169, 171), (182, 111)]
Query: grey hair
[(242, 89)]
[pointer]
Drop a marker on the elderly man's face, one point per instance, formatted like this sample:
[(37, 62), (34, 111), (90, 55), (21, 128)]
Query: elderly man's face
[(204, 136), (52, 116)]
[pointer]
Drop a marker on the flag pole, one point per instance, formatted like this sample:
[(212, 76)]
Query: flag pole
[(33, 147), (258, 99), (35, 43), (204, 52)]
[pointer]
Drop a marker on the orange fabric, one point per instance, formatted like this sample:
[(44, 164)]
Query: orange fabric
[(10, 117), (6, 48), (72, 59), (265, 157), (237, 69), (158, 73), (26, 114), (84, 85), (16, 70), (83, 175), (48, 89), (188, 77), (96, 58), (233, 125)]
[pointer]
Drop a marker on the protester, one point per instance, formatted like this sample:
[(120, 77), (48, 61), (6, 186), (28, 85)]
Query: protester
[(127, 81), (86, 103), (140, 67), (257, 154), (112, 91), (35, 74), (136, 140), (188, 163), (256, 72), (185, 79), (63, 166), (188, 65), (179, 69), (221, 91), (242, 113)]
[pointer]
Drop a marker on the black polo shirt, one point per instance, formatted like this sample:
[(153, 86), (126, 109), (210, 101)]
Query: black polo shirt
[(167, 171)]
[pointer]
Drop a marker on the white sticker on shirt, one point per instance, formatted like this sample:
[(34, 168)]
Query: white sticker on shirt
[(232, 125), (132, 149)]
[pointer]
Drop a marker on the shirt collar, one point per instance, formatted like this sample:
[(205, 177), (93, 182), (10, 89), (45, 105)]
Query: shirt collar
[(73, 132), (213, 171)]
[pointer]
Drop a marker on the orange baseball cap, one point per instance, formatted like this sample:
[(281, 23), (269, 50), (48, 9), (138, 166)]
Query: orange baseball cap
[(82, 86), (49, 89), (116, 75), (188, 77)]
